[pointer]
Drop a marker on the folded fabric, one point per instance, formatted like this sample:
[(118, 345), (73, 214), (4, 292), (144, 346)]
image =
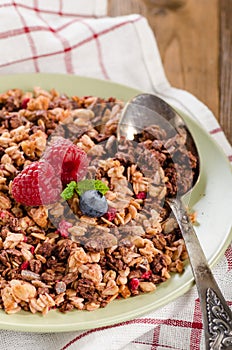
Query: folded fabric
[(66, 37), (75, 37)]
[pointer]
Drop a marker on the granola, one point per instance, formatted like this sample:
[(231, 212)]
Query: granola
[(54, 256)]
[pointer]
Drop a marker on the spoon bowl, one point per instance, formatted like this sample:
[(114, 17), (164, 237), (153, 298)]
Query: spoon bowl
[(140, 113)]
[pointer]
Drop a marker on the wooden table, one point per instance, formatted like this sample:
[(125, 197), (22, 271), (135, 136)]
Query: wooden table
[(195, 42)]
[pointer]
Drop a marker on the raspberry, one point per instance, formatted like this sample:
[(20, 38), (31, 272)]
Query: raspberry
[(68, 160), (134, 284), (36, 185), (141, 195)]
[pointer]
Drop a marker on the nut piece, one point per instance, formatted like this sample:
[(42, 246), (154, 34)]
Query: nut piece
[(5, 202), (12, 240), (23, 291), (39, 215), (77, 259), (10, 305), (111, 288), (147, 286)]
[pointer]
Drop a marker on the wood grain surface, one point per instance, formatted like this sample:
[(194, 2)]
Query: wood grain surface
[(225, 72), (195, 43)]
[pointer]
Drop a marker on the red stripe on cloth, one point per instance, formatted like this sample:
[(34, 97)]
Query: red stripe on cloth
[(215, 131), (196, 329), (228, 255), (230, 158), (29, 37), (155, 340), (51, 12), (103, 32), (20, 31), (151, 321), (60, 8), (160, 345), (99, 51), (64, 42)]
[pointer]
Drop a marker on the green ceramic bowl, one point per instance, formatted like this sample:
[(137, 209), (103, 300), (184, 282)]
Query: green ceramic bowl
[(211, 199)]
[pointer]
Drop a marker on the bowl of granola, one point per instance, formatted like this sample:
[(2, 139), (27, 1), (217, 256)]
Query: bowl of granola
[(87, 238)]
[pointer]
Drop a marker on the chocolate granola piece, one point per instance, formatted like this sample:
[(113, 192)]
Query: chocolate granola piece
[(70, 277), (48, 276), (158, 263), (4, 258), (11, 104), (98, 242), (66, 306), (113, 263), (14, 120), (85, 289), (157, 279), (62, 251), (45, 249), (35, 266)]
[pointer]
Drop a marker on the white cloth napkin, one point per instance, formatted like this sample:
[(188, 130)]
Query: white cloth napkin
[(76, 37)]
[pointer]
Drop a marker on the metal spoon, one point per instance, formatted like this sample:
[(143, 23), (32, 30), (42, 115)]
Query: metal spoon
[(143, 111)]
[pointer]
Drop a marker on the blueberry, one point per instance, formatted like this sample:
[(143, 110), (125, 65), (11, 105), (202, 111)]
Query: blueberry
[(93, 203)]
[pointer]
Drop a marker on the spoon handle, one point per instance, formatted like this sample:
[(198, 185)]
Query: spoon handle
[(216, 314)]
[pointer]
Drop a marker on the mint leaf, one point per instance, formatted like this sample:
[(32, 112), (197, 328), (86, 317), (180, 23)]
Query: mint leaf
[(68, 192), (83, 186), (101, 187), (86, 185)]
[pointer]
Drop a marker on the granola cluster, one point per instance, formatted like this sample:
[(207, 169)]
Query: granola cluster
[(54, 256)]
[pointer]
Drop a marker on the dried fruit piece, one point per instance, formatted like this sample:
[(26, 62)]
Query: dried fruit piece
[(111, 214), (146, 275), (141, 195), (134, 284), (24, 265), (63, 228), (24, 102)]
